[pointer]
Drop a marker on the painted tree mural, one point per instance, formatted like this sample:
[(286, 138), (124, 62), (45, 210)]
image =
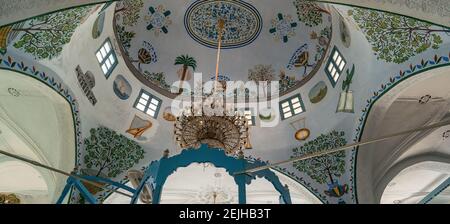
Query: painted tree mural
[(323, 169), (187, 61), (125, 37), (262, 73), (45, 36), (396, 38), (309, 12), (129, 10), (111, 153)]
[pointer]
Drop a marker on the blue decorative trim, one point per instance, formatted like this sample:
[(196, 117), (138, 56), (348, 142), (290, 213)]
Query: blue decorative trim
[(157, 172), (412, 70)]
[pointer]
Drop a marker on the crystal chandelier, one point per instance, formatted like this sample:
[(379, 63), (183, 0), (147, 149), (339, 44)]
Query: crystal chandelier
[(220, 129)]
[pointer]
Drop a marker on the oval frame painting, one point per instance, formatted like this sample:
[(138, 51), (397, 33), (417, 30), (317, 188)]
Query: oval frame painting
[(318, 92), (344, 33), (97, 29), (122, 88)]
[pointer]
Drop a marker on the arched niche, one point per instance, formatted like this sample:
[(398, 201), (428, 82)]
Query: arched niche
[(419, 100), (36, 122), (416, 181)]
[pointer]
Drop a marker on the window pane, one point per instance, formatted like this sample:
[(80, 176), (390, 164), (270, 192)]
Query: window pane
[(99, 57), (297, 105), (330, 67), (287, 109), (107, 64), (153, 107), (102, 50), (286, 104), (140, 107), (336, 77), (338, 61), (295, 100), (287, 115), (143, 101), (155, 101), (145, 96), (342, 65), (298, 110), (107, 47), (151, 113), (335, 55), (112, 59), (104, 69)]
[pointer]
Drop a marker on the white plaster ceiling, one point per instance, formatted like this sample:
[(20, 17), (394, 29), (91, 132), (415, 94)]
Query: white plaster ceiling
[(36, 123), (377, 162), (414, 183)]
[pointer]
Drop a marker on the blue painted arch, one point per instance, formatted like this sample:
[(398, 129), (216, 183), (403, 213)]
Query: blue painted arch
[(158, 172)]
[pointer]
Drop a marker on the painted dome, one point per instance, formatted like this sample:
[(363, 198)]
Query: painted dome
[(285, 45)]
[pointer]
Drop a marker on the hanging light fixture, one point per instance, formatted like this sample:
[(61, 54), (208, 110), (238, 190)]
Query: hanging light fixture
[(193, 128), (346, 100)]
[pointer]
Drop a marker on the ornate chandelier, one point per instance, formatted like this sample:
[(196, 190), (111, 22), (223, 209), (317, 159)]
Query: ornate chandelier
[(225, 130)]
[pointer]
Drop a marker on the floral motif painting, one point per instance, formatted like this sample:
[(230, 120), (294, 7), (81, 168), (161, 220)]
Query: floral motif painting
[(158, 20), (43, 37), (145, 55), (324, 169), (110, 153), (243, 23), (309, 12), (396, 38), (283, 27), (122, 88)]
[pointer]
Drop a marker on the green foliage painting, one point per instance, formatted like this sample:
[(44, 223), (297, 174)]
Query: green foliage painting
[(129, 10), (396, 38), (111, 153), (325, 168), (45, 36), (309, 12)]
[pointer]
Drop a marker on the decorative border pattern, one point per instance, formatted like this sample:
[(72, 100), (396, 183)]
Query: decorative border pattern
[(236, 3), (412, 70)]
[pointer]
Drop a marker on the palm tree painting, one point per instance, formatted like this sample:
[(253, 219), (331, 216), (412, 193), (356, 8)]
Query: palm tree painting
[(187, 61)]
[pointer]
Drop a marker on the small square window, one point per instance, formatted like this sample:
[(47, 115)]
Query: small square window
[(148, 104), (106, 57), (335, 66), (291, 107)]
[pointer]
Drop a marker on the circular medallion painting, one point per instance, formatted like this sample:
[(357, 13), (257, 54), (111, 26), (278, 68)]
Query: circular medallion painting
[(318, 92), (243, 23), (122, 87)]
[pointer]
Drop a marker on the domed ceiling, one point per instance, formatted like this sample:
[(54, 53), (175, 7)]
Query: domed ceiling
[(260, 44)]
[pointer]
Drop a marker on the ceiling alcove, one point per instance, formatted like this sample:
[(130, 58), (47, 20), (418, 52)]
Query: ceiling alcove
[(416, 102), (36, 123), (152, 34)]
